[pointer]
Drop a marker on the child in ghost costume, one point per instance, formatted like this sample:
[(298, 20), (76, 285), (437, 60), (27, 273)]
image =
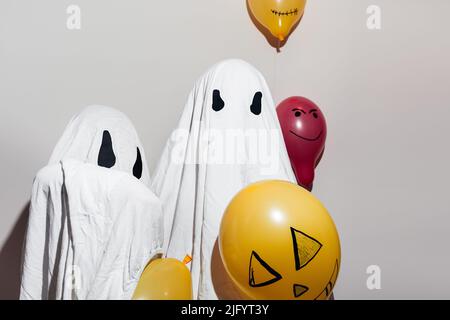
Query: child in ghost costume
[(94, 224), (228, 137)]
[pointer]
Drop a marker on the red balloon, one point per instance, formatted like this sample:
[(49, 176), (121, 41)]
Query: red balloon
[(305, 131)]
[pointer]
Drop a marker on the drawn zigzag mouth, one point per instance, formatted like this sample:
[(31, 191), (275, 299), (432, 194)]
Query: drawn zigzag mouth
[(292, 12)]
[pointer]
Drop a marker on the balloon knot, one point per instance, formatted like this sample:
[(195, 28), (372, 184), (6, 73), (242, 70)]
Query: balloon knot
[(187, 259)]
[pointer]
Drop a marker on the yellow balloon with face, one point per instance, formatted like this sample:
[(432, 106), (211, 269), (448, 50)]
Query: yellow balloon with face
[(278, 16), (277, 241)]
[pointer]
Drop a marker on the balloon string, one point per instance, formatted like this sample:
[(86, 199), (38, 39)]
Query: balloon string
[(275, 72)]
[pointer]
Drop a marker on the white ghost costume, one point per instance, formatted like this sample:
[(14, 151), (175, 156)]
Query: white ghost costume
[(211, 156), (93, 226), (83, 137)]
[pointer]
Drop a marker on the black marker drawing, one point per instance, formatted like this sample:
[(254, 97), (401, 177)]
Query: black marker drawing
[(330, 285), (270, 273), (299, 290), (285, 13), (305, 248)]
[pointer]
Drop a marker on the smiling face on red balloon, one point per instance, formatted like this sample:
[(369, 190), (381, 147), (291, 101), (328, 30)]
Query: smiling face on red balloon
[(304, 130)]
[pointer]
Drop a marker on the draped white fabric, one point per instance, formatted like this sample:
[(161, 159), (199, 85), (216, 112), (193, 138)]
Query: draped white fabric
[(93, 225), (228, 137), (83, 137)]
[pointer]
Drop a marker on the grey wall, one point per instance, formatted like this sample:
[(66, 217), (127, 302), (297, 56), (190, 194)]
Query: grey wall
[(385, 93)]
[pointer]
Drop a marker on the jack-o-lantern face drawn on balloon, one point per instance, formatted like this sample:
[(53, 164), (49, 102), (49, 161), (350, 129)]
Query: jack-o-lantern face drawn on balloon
[(278, 16), (277, 241), (305, 131), (305, 248)]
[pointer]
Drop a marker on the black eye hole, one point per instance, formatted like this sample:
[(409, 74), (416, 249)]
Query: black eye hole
[(106, 156), (137, 168), (218, 103), (255, 107)]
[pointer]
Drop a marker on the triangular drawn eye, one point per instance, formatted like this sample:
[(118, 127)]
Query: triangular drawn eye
[(137, 168), (106, 156), (260, 273), (305, 248), (256, 107), (218, 103)]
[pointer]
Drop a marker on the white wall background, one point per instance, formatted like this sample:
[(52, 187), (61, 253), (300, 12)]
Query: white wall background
[(386, 95)]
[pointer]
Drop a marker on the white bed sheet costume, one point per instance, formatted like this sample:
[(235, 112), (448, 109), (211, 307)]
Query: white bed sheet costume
[(94, 223), (211, 156)]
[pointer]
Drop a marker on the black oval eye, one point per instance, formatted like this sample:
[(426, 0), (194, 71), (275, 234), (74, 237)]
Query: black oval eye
[(255, 107), (106, 156), (298, 114), (137, 168), (218, 103), (315, 115)]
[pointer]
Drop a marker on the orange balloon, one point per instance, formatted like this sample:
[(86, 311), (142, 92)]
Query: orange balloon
[(278, 16), (277, 241), (164, 279)]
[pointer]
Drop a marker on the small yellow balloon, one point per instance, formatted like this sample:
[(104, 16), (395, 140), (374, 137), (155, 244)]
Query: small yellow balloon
[(277, 241), (164, 279), (278, 16)]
